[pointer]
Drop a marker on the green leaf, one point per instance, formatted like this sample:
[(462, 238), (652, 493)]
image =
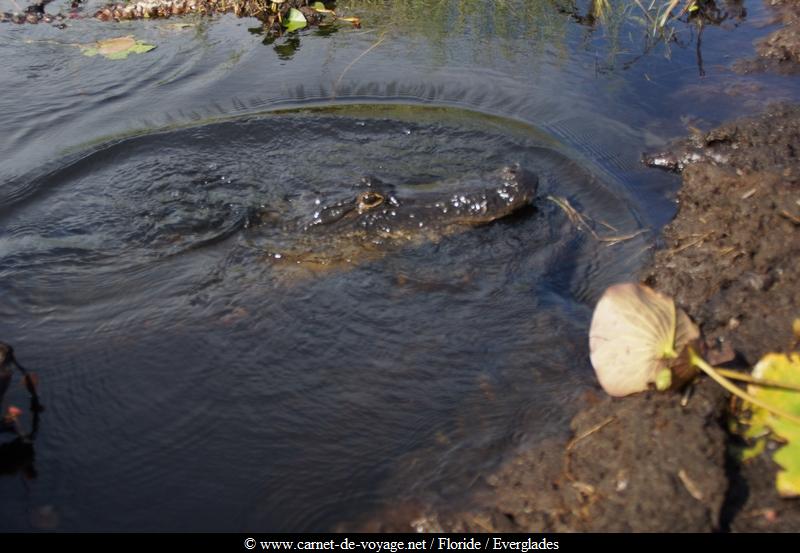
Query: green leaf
[(116, 48), (763, 424), (295, 20), (319, 7), (759, 446), (296, 15)]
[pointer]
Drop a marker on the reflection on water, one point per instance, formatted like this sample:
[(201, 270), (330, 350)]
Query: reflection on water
[(190, 383)]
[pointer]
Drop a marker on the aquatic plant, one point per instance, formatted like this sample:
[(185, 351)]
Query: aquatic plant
[(17, 455), (762, 425), (275, 15), (116, 48), (8, 363), (10, 420), (620, 32), (639, 339), (636, 338)]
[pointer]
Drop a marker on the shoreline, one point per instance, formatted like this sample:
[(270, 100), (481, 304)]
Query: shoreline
[(666, 462)]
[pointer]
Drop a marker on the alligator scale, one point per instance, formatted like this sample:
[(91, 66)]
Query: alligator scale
[(380, 218)]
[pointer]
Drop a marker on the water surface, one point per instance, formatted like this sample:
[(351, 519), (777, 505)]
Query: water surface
[(191, 382)]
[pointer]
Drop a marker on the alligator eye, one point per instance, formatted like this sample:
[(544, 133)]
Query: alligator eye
[(368, 200)]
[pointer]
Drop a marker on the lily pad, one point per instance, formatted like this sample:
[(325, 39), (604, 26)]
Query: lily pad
[(116, 48), (764, 425), (295, 20), (636, 337)]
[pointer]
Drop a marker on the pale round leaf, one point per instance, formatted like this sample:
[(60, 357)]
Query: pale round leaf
[(632, 337)]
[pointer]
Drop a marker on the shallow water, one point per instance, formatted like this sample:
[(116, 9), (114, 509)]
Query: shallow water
[(191, 380)]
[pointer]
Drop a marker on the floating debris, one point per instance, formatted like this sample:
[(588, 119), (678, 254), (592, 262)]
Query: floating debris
[(116, 48), (277, 16)]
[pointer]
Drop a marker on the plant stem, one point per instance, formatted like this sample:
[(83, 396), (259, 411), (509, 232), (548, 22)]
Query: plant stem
[(361, 55), (734, 375), (701, 364)]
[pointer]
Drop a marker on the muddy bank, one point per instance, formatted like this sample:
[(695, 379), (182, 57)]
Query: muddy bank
[(731, 260), (642, 464), (730, 257), (657, 462)]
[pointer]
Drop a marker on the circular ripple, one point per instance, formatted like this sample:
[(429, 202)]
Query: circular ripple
[(184, 363)]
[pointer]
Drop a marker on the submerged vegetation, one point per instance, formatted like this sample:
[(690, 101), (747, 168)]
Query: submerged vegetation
[(16, 455), (659, 22), (617, 32), (277, 16)]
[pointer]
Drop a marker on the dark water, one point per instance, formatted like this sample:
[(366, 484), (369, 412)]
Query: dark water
[(191, 381)]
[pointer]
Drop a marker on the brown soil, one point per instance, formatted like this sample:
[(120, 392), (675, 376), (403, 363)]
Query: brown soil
[(640, 464), (731, 260), (731, 256), (647, 462)]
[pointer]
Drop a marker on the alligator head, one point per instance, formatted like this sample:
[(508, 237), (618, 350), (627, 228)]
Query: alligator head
[(381, 213), (381, 217)]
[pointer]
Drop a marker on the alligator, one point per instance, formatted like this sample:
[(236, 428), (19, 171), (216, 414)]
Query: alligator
[(379, 217)]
